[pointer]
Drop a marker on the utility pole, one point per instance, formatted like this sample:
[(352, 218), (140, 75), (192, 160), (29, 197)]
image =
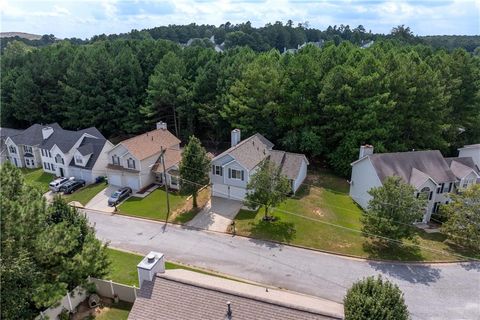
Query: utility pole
[(162, 155)]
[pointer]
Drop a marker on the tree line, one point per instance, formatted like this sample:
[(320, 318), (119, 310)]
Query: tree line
[(324, 102)]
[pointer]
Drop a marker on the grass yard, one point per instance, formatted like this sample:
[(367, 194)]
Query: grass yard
[(117, 311), (85, 194), (153, 206), (307, 220), (124, 267), (37, 178)]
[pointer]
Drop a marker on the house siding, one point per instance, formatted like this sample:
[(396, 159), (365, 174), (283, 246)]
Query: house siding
[(301, 176), (364, 178), (473, 152)]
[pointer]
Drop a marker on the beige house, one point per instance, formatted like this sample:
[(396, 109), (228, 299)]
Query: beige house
[(136, 162)]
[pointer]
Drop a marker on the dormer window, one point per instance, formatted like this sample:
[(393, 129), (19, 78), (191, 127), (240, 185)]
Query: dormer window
[(116, 160), (131, 163), (12, 149), (27, 149), (59, 159), (78, 160)]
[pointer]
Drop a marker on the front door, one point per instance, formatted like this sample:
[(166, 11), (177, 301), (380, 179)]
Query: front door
[(61, 172)]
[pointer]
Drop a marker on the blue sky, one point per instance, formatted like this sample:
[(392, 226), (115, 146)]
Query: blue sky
[(84, 19)]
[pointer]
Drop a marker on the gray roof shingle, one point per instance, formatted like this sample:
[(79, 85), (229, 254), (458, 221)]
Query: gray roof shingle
[(91, 146), (66, 139), (289, 163), (32, 136), (402, 164), (461, 166), (165, 298)]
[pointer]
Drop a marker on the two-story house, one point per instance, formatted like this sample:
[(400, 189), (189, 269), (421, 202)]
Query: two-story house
[(136, 162), (432, 176), (232, 169), (4, 134)]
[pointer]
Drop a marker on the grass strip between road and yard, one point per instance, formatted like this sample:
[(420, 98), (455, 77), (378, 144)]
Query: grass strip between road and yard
[(85, 194), (123, 268)]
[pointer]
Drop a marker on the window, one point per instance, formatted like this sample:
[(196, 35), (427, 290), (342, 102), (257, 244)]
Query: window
[(440, 188), (425, 193), (116, 160), (235, 174), (78, 160), (436, 206), (131, 163), (217, 170), (49, 154), (52, 167), (27, 162), (45, 166), (173, 180), (27, 149), (12, 149), (59, 159), (450, 187), (43, 153)]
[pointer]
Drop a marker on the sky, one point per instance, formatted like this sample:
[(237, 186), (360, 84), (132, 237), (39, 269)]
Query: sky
[(83, 19)]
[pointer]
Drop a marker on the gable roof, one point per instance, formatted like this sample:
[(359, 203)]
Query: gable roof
[(173, 297), (150, 143), (402, 164), (92, 146), (5, 133), (462, 166), (249, 152), (32, 136), (66, 139), (289, 163)]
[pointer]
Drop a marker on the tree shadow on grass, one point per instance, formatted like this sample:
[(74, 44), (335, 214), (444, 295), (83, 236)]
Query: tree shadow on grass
[(273, 230)]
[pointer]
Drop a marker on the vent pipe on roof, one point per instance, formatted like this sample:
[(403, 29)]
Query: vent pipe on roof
[(229, 310)]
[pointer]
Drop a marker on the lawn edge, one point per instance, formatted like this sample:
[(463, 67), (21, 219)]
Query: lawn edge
[(427, 262)]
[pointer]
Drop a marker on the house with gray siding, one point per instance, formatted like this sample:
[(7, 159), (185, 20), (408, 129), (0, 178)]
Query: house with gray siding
[(232, 169), (432, 175)]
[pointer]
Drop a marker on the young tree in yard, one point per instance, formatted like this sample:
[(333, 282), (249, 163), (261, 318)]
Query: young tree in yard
[(267, 188), (194, 168), (372, 298), (463, 218), (46, 249), (392, 210)]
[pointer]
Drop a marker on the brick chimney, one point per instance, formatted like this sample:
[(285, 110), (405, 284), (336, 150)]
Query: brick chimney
[(365, 150), (151, 264)]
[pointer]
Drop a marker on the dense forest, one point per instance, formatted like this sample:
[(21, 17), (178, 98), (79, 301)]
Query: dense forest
[(324, 101)]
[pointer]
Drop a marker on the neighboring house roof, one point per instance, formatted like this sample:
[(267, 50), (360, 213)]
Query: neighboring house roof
[(289, 163), (249, 152), (172, 158), (462, 166), (5, 133), (32, 136), (406, 164), (91, 146), (184, 299), (150, 143), (66, 139), (470, 146)]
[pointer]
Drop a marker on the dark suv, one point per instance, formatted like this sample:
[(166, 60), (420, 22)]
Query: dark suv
[(71, 186), (119, 195)]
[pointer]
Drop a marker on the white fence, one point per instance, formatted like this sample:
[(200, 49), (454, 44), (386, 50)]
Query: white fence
[(105, 288), (70, 301)]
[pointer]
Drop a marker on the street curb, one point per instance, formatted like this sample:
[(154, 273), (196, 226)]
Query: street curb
[(343, 255)]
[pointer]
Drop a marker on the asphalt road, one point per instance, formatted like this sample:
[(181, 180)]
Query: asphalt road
[(436, 291)]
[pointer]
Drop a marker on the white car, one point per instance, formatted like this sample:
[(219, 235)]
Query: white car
[(57, 183)]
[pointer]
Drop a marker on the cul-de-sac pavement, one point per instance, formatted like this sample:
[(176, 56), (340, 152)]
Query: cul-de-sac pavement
[(432, 291)]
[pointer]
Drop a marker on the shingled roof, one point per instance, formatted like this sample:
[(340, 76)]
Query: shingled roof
[(461, 166), (32, 136), (289, 163), (92, 146), (178, 298), (66, 139), (150, 143), (411, 166)]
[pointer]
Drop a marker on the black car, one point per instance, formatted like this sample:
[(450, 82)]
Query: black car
[(119, 195), (71, 186)]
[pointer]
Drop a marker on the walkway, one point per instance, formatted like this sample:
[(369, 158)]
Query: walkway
[(437, 291), (217, 214)]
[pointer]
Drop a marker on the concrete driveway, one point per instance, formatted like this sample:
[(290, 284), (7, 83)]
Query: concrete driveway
[(217, 215), (100, 201)]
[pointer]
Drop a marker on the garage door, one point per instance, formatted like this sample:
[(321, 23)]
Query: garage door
[(237, 193), (132, 182), (220, 190), (115, 180)]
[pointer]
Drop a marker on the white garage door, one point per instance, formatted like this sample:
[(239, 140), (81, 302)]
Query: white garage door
[(132, 182), (237, 193), (115, 180), (220, 190)]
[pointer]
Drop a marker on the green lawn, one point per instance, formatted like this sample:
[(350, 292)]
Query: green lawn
[(153, 206), (117, 311), (86, 194), (307, 220), (124, 267), (38, 178)]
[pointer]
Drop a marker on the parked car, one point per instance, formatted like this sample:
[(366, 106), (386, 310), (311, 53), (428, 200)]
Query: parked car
[(71, 186), (57, 183), (119, 195)]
